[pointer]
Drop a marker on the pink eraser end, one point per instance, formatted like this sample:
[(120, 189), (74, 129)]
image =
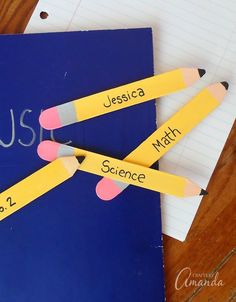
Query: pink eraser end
[(49, 119), (48, 150), (106, 189)]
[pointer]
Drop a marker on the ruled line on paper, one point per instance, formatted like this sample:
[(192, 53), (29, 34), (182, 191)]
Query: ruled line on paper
[(201, 34)]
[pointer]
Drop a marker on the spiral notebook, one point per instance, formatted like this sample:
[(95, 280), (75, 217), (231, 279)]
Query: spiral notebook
[(186, 33)]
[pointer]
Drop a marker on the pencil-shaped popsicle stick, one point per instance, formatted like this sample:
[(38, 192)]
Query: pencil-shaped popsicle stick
[(37, 184), (122, 170), (118, 98), (169, 134)]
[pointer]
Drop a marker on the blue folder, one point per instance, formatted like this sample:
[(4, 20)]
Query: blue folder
[(68, 245)]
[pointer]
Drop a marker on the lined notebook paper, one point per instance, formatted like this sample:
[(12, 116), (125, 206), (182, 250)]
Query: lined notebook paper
[(186, 33)]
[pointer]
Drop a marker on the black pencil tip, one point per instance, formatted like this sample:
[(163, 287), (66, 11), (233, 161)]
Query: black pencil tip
[(225, 84), (201, 72), (80, 159), (203, 192)]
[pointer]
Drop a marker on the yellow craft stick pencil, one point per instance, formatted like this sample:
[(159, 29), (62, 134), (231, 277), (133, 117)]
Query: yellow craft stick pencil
[(169, 134), (37, 184), (118, 98), (120, 170)]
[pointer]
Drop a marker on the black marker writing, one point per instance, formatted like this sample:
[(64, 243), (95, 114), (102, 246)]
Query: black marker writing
[(12, 203), (121, 172), (119, 99), (166, 139)]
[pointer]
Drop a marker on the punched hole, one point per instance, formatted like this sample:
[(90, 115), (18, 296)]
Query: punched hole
[(43, 15)]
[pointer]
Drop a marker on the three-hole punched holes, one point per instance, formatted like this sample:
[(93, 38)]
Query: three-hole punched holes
[(43, 15)]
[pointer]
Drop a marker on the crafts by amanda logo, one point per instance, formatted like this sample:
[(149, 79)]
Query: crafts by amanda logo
[(187, 278)]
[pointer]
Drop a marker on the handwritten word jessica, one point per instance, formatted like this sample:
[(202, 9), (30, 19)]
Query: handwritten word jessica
[(125, 97)]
